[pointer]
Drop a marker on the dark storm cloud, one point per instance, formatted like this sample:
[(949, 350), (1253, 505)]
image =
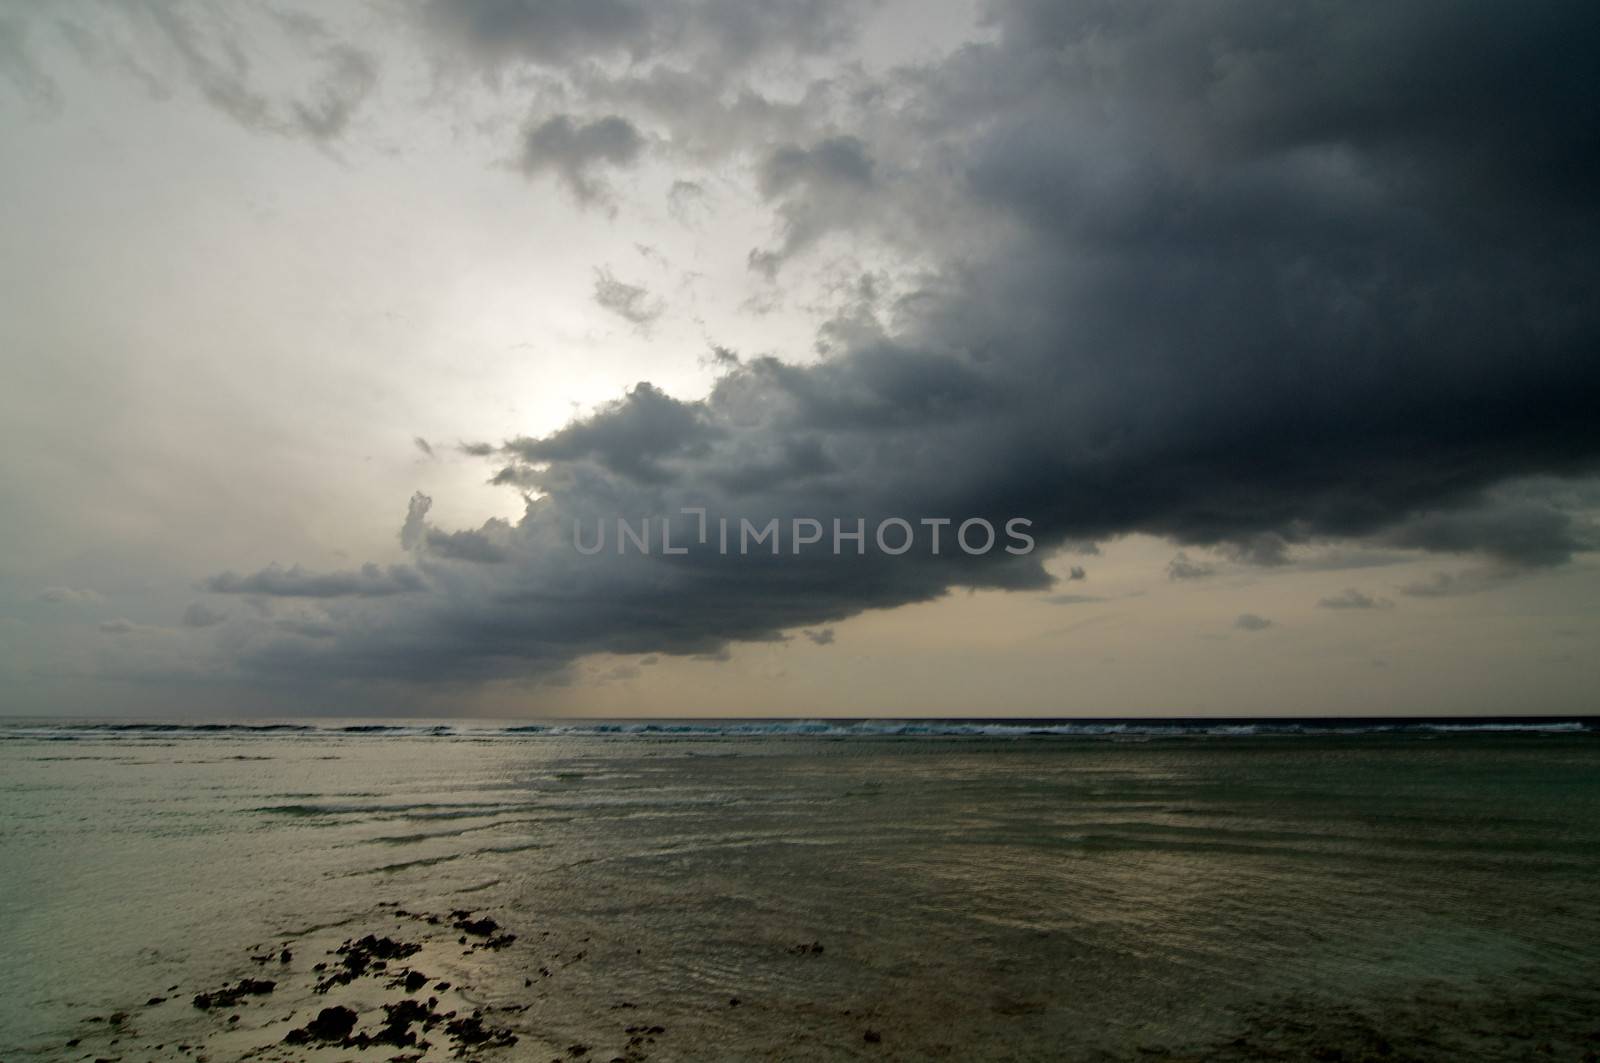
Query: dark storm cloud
[(820, 637), (639, 439), (1243, 276), (628, 301), (1522, 532), (577, 151), (369, 581)]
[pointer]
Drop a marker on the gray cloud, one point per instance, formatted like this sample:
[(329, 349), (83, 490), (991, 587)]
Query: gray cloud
[(1321, 279), (1252, 622), (817, 189), (369, 581), (486, 545), (318, 82), (209, 47), (562, 33), (1183, 567), (499, 31), (628, 301), (576, 152), (1350, 598), (423, 445), (306, 627), (19, 67), (349, 77), (1266, 549), (68, 595), (1454, 584), (199, 614), (1073, 599), (686, 201), (820, 637), (119, 626)]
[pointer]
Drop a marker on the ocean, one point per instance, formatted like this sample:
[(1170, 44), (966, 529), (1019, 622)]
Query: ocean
[(768, 890)]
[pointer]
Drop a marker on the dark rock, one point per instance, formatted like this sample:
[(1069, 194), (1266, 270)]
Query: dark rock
[(369, 953), (415, 981), (228, 996), (331, 1024), (472, 1031), (153, 1001), (396, 1030)]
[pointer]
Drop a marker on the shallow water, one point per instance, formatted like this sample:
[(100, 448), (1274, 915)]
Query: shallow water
[(1093, 894)]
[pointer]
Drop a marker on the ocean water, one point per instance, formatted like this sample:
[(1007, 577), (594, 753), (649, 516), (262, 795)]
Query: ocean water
[(822, 890)]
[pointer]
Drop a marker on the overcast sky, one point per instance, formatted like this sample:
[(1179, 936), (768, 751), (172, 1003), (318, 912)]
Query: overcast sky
[(321, 325)]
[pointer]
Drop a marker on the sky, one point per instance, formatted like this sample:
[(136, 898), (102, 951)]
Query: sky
[(329, 333)]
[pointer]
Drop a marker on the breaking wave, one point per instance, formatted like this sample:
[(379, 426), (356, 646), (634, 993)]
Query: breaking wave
[(38, 730)]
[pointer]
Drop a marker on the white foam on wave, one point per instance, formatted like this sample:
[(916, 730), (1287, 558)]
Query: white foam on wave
[(797, 728)]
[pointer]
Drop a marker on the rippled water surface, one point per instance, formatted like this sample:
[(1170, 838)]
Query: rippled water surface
[(861, 892)]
